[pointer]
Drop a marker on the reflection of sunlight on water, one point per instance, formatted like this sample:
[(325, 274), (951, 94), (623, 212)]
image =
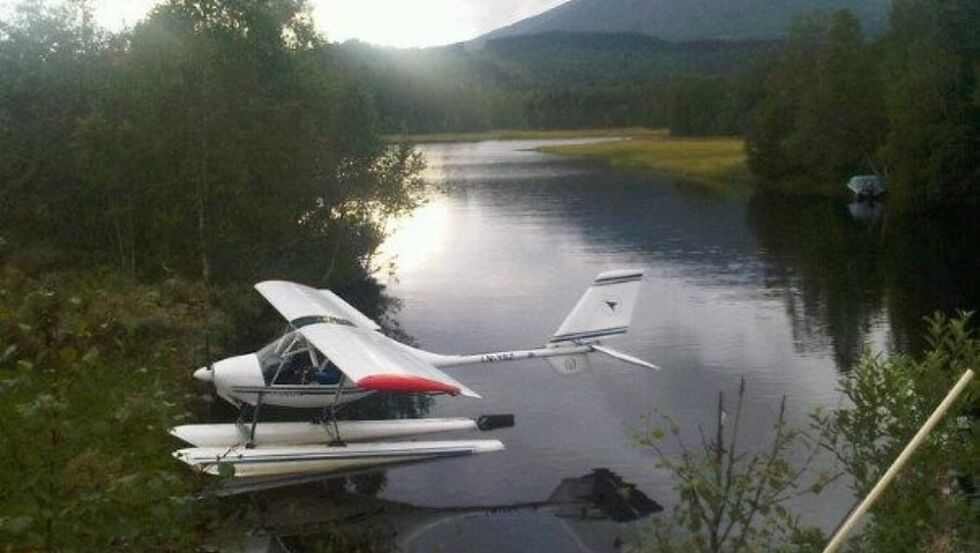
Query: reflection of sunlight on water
[(434, 172), (415, 238)]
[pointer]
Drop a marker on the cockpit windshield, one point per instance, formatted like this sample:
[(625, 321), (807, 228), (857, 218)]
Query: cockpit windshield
[(290, 360)]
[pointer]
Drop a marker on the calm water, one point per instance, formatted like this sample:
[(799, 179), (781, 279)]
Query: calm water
[(782, 293)]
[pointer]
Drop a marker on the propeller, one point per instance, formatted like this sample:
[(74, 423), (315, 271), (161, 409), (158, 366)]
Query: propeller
[(624, 358)]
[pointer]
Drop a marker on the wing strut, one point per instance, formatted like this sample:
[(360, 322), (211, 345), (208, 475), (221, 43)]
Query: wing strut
[(337, 440)]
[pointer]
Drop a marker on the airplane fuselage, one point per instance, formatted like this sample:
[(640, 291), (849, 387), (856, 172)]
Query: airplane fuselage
[(240, 380), (245, 379)]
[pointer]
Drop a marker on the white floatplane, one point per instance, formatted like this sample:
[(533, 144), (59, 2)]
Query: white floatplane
[(332, 354)]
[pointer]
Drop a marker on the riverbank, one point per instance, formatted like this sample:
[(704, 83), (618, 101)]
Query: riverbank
[(525, 135), (718, 162)]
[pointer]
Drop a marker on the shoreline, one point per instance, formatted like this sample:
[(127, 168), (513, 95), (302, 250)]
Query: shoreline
[(714, 162), (514, 134)]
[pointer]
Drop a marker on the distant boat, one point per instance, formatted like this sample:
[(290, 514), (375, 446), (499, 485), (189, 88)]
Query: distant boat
[(866, 187)]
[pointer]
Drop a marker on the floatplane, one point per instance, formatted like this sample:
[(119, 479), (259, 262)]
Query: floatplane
[(331, 354)]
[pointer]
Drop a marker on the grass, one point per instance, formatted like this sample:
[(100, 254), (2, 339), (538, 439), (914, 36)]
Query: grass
[(522, 135), (718, 162)]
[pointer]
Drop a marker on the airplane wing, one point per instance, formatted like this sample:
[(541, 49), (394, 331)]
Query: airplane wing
[(374, 362), (296, 302)]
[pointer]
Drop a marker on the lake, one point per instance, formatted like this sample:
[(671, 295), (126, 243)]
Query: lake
[(784, 293)]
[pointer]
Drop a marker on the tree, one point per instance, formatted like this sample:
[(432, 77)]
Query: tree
[(821, 119), (840, 124), (217, 139), (905, 107), (931, 67), (47, 53)]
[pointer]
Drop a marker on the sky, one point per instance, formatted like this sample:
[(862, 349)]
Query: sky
[(402, 23)]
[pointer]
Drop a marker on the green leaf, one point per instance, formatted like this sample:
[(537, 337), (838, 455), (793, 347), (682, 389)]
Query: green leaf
[(16, 525), (68, 355)]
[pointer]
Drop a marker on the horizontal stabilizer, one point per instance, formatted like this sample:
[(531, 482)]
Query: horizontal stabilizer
[(624, 358)]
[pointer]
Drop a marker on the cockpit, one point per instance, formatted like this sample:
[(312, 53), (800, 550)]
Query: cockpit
[(290, 360)]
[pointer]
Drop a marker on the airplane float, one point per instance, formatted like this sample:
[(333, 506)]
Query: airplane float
[(332, 354)]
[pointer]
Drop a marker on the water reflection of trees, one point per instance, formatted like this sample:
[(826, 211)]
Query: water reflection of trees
[(932, 265), (840, 275)]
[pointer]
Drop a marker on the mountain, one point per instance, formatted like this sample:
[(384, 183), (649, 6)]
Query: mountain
[(685, 20)]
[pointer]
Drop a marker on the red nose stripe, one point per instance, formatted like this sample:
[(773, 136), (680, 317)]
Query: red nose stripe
[(401, 383)]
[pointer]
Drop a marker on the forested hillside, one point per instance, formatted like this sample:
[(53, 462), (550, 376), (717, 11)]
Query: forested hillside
[(554, 80), (686, 20), (830, 101)]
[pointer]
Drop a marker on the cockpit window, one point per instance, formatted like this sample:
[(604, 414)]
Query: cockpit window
[(290, 361)]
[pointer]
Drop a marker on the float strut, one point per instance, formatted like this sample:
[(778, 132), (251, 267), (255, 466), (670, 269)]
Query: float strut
[(337, 441), (240, 422), (255, 421)]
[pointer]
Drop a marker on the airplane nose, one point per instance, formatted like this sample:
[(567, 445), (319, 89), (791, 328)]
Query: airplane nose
[(204, 374)]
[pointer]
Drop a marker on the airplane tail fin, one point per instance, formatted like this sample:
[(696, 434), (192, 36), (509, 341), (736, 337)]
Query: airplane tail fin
[(604, 311)]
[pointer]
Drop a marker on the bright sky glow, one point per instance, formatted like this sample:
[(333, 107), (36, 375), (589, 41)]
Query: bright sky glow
[(402, 23), (119, 14), (407, 23)]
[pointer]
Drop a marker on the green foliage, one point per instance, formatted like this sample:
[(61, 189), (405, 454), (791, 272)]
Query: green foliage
[(730, 499), (932, 63), (217, 138), (92, 369), (904, 106), (734, 501), (700, 106), (820, 119), (927, 508)]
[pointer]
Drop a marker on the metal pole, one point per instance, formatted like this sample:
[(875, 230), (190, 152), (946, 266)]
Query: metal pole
[(903, 457)]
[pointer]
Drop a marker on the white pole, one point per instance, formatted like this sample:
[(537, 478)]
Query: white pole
[(903, 457)]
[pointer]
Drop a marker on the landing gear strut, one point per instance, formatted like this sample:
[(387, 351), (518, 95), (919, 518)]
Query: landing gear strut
[(248, 434), (337, 441)]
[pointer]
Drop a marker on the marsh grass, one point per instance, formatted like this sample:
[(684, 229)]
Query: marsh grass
[(718, 162)]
